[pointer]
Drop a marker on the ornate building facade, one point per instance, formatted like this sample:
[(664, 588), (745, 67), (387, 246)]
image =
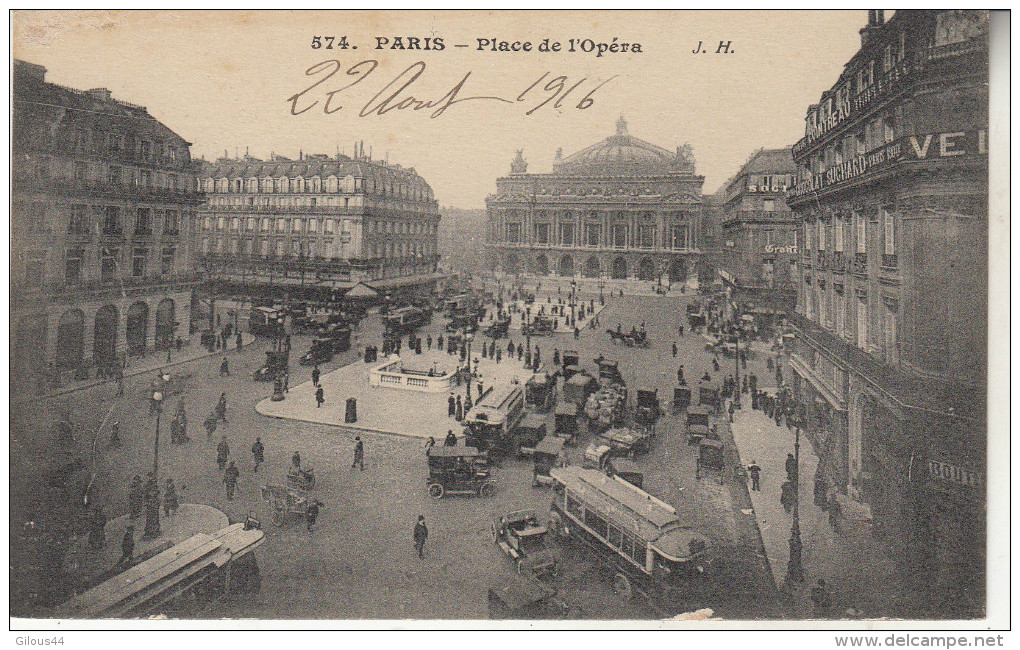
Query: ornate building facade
[(621, 208), (892, 293), (103, 200), (759, 232), (317, 225)]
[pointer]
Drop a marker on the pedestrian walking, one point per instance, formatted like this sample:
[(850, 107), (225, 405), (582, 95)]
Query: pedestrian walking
[(674, 349), (681, 330), (680, 376), (499, 355), (359, 453), (224, 368), (821, 597), (222, 453), (451, 406), (170, 500), (127, 545), (312, 512), (459, 415), (258, 451), (315, 376), (732, 408), (439, 342), (319, 397), (556, 357), (421, 534), (577, 332), (755, 471), (230, 478), (451, 439), (221, 408), (240, 341)]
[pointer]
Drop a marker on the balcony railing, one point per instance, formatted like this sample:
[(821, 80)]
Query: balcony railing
[(106, 190), (889, 261), (821, 261), (838, 262)]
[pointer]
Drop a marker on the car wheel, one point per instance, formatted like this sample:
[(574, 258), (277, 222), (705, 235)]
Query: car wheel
[(436, 491), (487, 490), (621, 586)]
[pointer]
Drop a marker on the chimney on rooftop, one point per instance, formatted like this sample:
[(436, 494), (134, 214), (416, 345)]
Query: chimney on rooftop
[(876, 18)]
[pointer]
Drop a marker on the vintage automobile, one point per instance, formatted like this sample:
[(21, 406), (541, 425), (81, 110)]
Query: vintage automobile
[(275, 365), (634, 338), (646, 408), (339, 336), (320, 352), (697, 425), (596, 455), (525, 598), (458, 470), (547, 455), (530, 432), (539, 391), (609, 371), (465, 321), (577, 389), (681, 399), (539, 326), (570, 358), (521, 536), (708, 396), (710, 455), (566, 415), (499, 329), (626, 469), (625, 442)]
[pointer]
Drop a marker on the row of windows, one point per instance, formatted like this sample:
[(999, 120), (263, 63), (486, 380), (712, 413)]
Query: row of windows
[(82, 218), (568, 215), (617, 538), (829, 309), (314, 184), (312, 225), (117, 143), (117, 175), (618, 235), (820, 235), (110, 264), (311, 248)]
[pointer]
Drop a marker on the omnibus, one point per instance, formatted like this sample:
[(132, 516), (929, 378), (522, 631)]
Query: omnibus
[(640, 538), (406, 319), (492, 421), (266, 321), (177, 582)]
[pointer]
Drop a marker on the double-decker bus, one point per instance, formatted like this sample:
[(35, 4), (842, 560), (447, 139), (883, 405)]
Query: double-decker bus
[(640, 538), (492, 421)]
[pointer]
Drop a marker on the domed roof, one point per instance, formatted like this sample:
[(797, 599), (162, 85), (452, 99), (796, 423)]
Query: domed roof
[(625, 155)]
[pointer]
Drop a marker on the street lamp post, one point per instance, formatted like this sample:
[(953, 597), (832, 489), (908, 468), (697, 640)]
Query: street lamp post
[(152, 529), (795, 568), (468, 337), (736, 343)]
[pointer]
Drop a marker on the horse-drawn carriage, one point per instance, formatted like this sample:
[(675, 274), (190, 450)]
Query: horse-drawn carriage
[(634, 338), (539, 326), (286, 502)]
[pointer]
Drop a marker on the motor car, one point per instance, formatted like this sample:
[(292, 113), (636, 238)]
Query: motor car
[(458, 470), (525, 540)]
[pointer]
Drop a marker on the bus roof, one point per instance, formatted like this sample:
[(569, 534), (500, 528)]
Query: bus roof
[(454, 452), (163, 574), (628, 506)]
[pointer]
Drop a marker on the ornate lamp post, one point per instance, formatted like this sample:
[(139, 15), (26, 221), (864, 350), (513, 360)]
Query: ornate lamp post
[(152, 529), (795, 568), (467, 339), (736, 343)]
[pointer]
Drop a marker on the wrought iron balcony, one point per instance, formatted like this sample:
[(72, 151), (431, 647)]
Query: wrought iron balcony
[(889, 261)]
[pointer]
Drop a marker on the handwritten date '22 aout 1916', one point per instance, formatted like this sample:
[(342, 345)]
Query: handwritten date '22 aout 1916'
[(396, 95)]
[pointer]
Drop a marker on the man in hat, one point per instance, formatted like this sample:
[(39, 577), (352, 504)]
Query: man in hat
[(451, 439), (258, 451), (230, 478), (755, 471), (315, 375), (451, 406), (312, 513), (170, 500), (222, 452), (359, 453), (320, 397), (421, 534)]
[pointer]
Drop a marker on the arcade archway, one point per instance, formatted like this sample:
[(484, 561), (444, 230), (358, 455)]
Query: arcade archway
[(166, 324), (620, 268), (646, 269), (104, 338), (592, 268), (541, 265), (677, 270), (567, 266), (512, 264), (137, 326)]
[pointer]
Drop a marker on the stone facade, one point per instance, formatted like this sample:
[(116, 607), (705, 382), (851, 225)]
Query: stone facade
[(893, 291), (757, 258), (318, 224), (103, 202), (622, 208)]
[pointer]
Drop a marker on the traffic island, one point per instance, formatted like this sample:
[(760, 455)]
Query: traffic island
[(393, 406)]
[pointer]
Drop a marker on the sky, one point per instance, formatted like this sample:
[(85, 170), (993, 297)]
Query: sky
[(223, 81)]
